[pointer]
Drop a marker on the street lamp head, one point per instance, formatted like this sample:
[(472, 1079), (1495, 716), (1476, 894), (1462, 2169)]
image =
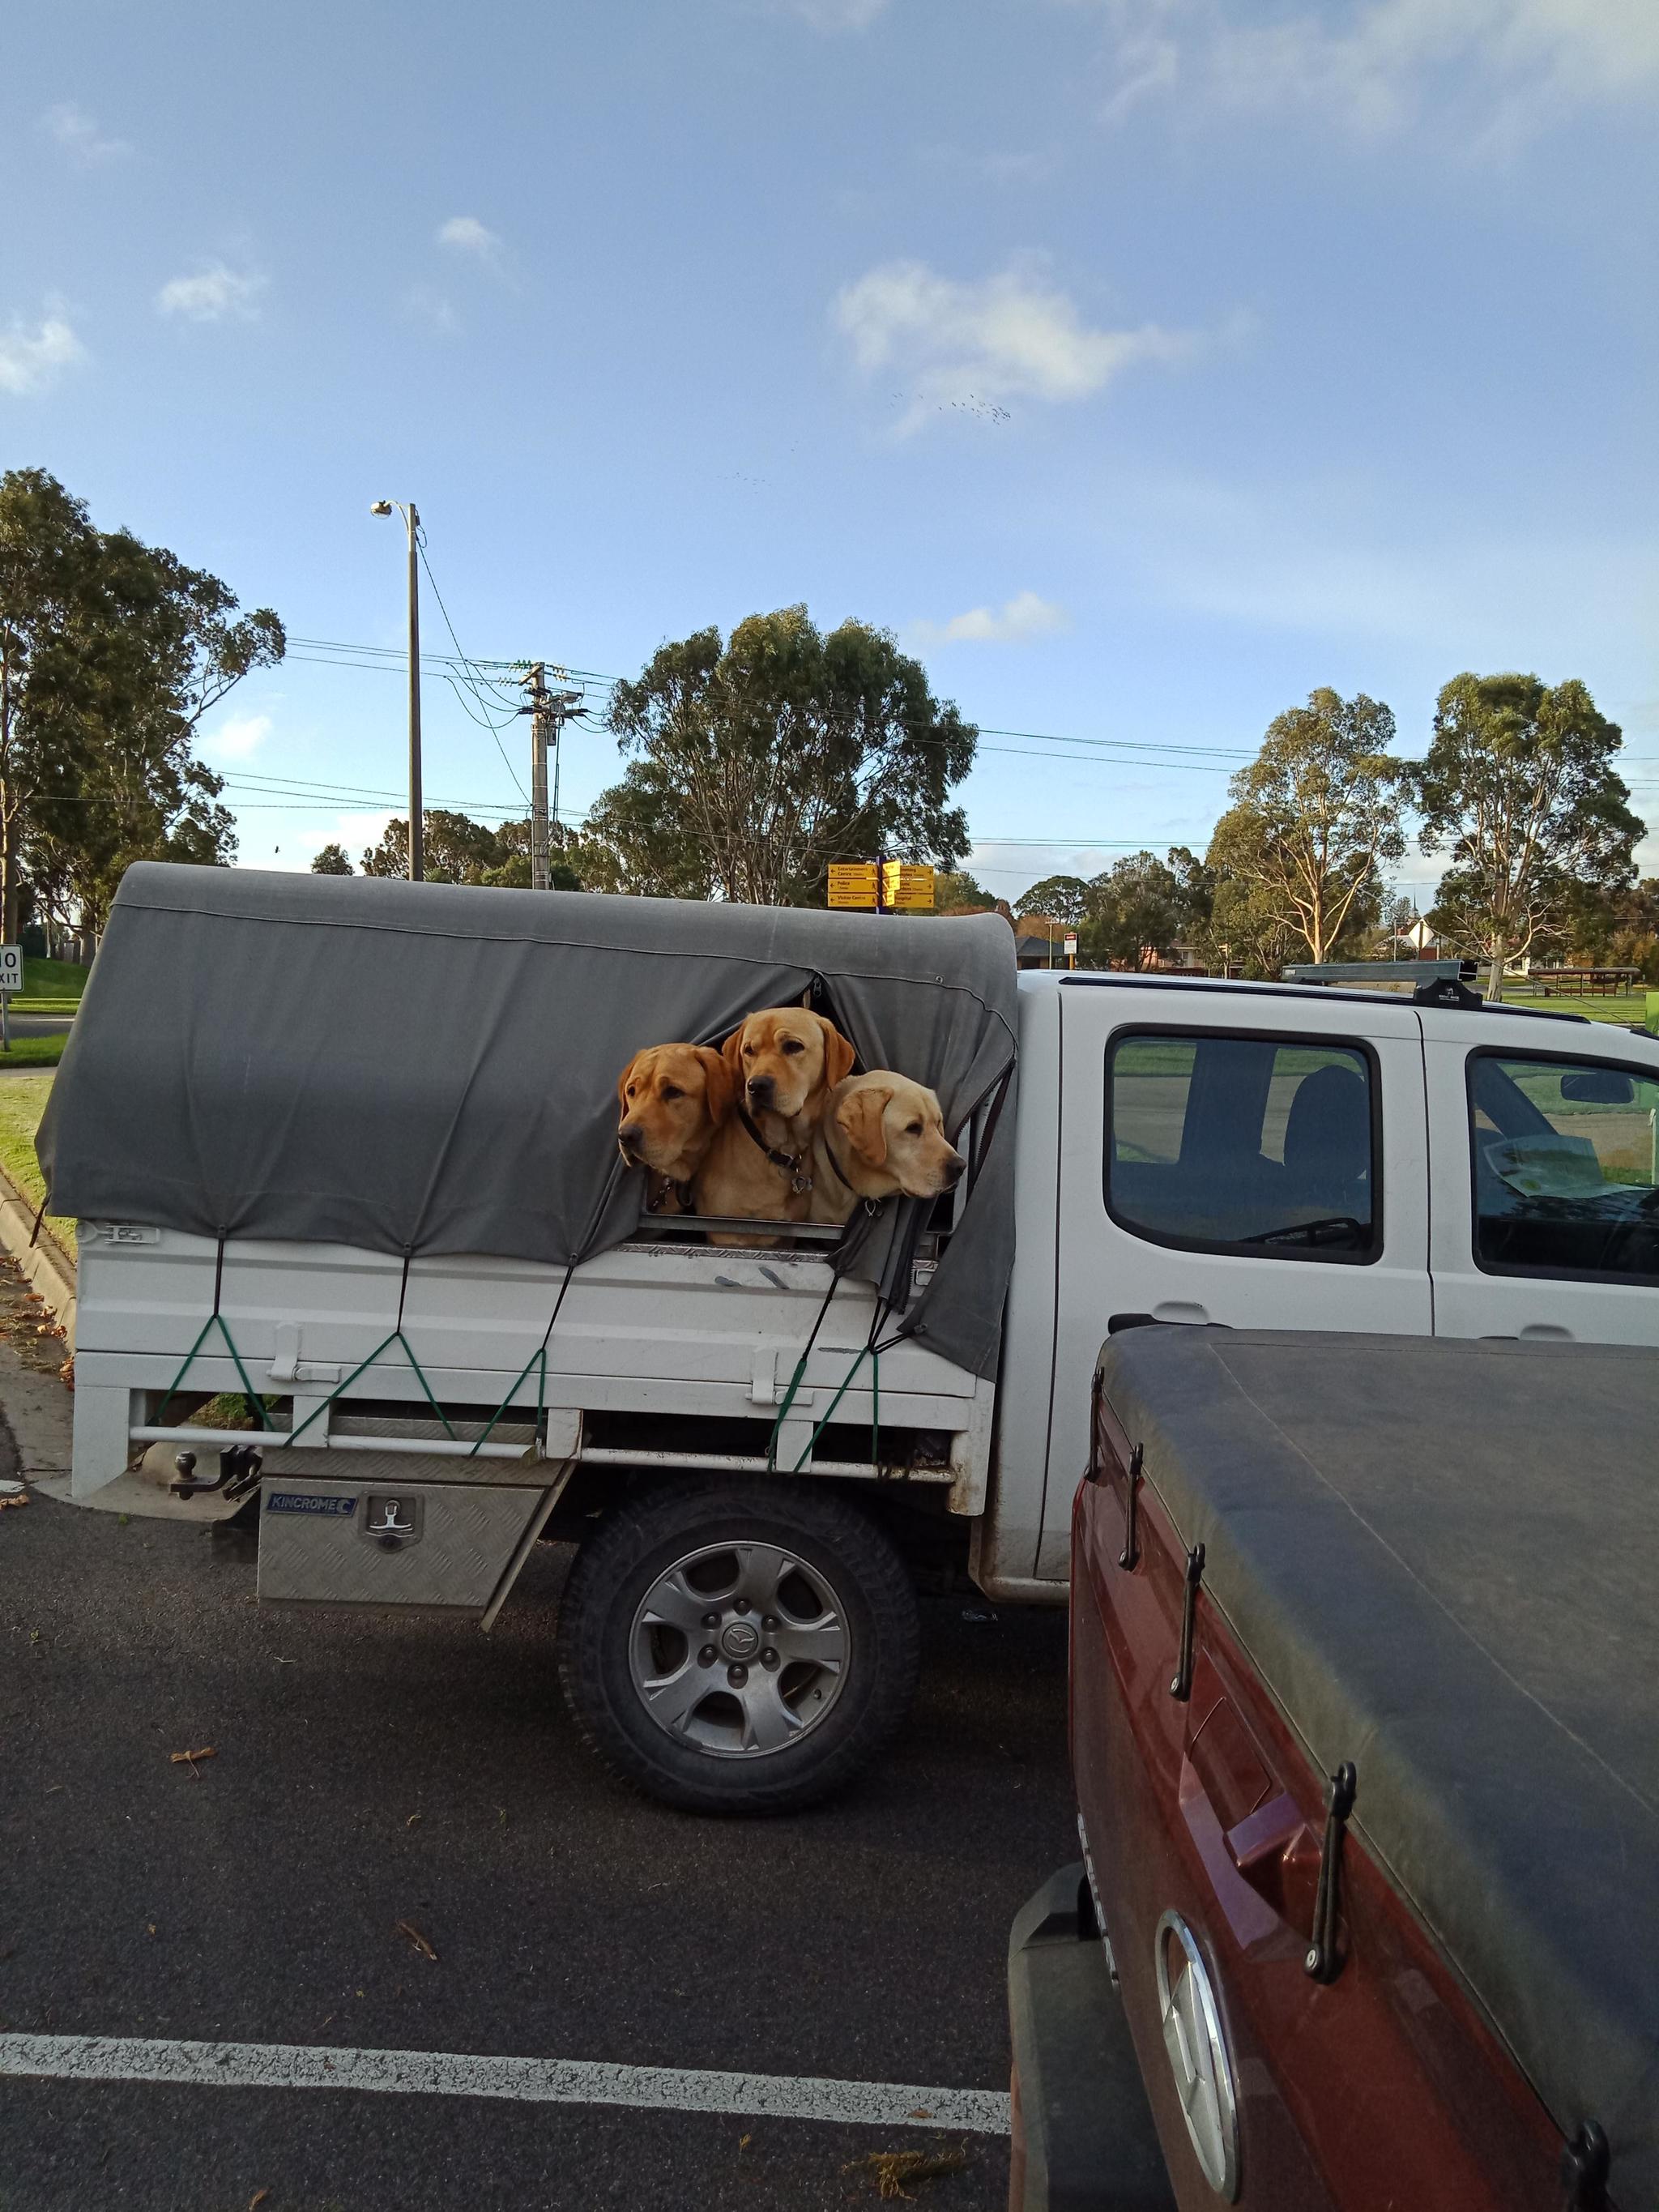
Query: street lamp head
[(381, 506)]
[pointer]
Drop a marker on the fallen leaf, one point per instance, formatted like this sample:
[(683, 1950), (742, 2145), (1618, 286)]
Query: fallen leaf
[(189, 1758), (21, 1499), (404, 1928), (890, 2169), (743, 2141), (52, 1789), (412, 1818), (257, 2199), (150, 1927)]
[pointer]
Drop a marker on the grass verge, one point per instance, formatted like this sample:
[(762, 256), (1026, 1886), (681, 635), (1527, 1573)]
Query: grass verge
[(23, 1101), (34, 1051), (51, 986)]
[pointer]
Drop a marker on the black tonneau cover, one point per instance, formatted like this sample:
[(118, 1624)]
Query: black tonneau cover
[(1443, 1559)]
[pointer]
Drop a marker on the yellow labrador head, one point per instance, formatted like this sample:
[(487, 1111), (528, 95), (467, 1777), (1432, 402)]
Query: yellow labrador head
[(894, 1125), (785, 1060), (673, 1097)]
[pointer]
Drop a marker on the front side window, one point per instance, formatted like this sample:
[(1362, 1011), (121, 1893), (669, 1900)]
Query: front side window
[(1566, 1168), (1243, 1144)]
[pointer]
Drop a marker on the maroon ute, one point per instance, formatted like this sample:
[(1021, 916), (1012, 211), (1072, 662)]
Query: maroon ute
[(1364, 1726)]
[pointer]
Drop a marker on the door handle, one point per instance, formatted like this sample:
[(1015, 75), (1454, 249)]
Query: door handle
[(1181, 1310)]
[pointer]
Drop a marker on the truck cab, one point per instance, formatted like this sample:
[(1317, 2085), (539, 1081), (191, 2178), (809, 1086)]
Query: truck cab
[(1298, 1157)]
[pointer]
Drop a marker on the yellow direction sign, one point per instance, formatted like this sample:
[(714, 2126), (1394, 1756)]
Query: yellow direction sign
[(853, 883), (907, 886)]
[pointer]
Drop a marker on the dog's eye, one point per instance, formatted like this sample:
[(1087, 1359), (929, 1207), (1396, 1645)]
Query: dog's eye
[(793, 1045), (913, 1128), (749, 1052), (632, 1088), (670, 1091)]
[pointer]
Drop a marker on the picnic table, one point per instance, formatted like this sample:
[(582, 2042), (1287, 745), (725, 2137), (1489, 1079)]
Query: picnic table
[(1584, 983)]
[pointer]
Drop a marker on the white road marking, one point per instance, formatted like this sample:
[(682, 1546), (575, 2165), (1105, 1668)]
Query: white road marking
[(531, 2081)]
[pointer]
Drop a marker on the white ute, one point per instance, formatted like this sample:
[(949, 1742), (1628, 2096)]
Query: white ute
[(735, 1636)]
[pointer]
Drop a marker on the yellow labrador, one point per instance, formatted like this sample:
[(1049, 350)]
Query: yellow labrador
[(782, 1064), (879, 1134), (674, 1100)]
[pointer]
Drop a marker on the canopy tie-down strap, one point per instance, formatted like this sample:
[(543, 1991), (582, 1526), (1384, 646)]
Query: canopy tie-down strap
[(871, 1351), (538, 1361), (216, 1320), (398, 1338)]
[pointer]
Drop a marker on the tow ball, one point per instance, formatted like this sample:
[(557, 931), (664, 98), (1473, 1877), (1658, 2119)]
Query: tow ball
[(239, 1468)]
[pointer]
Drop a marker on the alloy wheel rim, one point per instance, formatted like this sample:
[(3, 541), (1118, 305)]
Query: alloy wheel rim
[(740, 1651)]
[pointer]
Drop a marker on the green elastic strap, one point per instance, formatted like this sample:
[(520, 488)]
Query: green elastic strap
[(254, 1404), (870, 1353), (396, 1337), (538, 1359)]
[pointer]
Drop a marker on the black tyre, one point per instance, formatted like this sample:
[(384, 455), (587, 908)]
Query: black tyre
[(738, 1647)]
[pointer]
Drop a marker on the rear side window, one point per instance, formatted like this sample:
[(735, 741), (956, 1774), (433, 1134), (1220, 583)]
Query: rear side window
[(1262, 1146), (1566, 1157)]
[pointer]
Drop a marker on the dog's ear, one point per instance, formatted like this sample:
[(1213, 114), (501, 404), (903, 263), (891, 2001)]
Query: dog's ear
[(623, 1079), (718, 1087), (732, 1054), (860, 1114), (838, 1053)]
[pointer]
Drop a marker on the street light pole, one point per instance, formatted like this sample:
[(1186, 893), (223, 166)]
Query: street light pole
[(417, 812)]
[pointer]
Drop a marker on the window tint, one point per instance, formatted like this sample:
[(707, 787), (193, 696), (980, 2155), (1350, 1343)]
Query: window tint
[(1242, 1144), (1566, 1162)]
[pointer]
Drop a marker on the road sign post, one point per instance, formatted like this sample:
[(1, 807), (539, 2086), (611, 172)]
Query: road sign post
[(881, 886), (854, 884), (11, 979), (907, 887)]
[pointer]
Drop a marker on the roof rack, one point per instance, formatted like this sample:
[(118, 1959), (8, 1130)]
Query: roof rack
[(1435, 983)]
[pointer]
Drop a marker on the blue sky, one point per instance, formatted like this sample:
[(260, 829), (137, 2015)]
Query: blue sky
[(1142, 363)]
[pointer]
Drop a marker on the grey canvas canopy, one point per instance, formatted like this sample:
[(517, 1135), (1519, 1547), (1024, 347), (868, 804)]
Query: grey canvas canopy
[(428, 1068), (1438, 1556)]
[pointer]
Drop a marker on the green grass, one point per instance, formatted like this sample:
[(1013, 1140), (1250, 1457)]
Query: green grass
[(1632, 1007), (51, 986), (23, 1101), (34, 1051)]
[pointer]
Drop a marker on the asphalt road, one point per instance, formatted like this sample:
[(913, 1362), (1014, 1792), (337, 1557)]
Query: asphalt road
[(369, 1771)]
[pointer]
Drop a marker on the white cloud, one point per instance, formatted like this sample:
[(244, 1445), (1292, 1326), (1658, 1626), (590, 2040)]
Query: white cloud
[(32, 360), (1375, 63), (1022, 618), (468, 235), (211, 294), (238, 738), (971, 346), (78, 133)]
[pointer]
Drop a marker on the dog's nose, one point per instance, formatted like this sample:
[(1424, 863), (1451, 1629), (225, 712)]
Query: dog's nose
[(630, 1141), (760, 1089), (954, 1170)]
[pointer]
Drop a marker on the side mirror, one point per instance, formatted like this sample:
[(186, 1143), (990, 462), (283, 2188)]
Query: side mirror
[(1598, 1086)]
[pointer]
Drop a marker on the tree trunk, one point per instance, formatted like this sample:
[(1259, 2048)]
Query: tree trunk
[(1499, 954)]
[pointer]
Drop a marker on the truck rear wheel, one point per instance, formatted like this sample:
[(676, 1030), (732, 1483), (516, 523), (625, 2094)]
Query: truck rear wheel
[(738, 1647)]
